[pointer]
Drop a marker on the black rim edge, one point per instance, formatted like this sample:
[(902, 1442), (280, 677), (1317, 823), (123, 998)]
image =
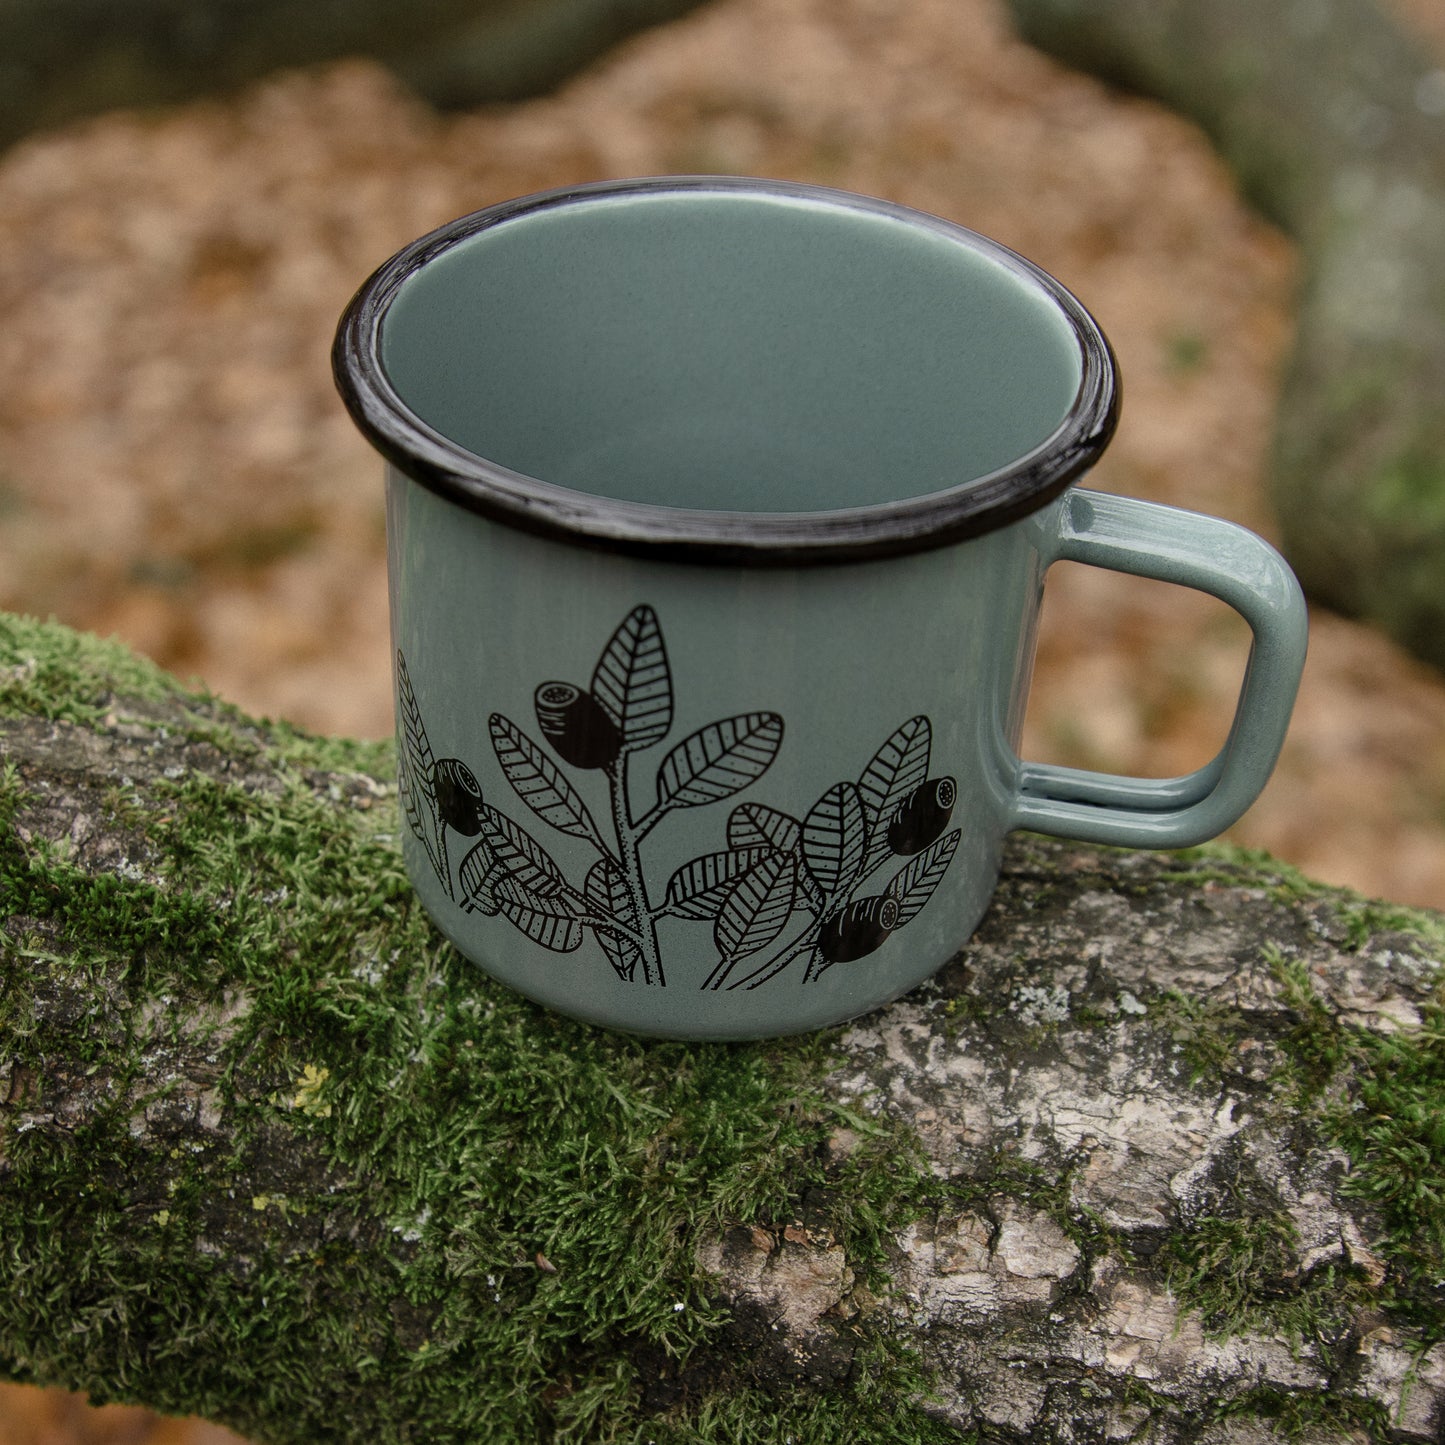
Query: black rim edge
[(979, 505)]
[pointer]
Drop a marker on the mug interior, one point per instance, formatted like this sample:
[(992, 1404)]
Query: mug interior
[(732, 351)]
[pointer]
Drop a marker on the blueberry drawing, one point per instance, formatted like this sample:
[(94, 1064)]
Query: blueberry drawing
[(458, 796), (922, 816), (577, 726), (859, 929)]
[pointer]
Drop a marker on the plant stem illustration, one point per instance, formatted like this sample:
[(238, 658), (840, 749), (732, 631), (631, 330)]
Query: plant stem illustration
[(775, 867)]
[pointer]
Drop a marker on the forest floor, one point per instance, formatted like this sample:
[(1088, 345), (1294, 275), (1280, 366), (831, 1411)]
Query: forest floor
[(175, 467)]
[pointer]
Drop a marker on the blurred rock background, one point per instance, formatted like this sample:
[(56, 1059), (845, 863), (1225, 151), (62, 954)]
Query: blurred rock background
[(176, 469)]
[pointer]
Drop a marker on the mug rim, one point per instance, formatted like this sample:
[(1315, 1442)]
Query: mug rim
[(916, 523)]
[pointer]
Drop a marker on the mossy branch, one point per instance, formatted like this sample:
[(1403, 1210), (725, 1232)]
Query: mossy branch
[(1157, 1154)]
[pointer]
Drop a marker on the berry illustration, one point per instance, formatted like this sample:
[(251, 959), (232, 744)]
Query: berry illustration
[(855, 931), (458, 795), (574, 722), (776, 869), (922, 816)]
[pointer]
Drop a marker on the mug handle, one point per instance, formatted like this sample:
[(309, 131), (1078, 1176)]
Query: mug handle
[(1147, 539)]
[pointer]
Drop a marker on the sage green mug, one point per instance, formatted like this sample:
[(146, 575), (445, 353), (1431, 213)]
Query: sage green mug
[(719, 511)]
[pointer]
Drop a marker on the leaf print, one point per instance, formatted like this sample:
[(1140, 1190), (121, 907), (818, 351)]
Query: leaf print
[(412, 805), (769, 969), (522, 858), (757, 908), (632, 682), (775, 866), (816, 966), (810, 895), (835, 833), (754, 825), (548, 921), (538, 782), (414, 778), (419, 815), (479, 872), (719, 760), (914, 883), (607, 891), (416, 757), (896, 769), (697, 889)]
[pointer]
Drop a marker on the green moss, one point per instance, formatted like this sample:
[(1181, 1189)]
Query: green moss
[(1295, 1415), (1381, 1097), (1207, 1031), (494, 1132), (752, 1418), (49, 671), (1315, 1044), (1391, 1120), (1239, 1273)]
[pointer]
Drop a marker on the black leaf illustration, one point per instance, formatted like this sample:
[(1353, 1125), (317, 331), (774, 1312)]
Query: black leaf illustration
[(719, 760), (810, 895), (523, 859), (816, 964), (757, 908), (754, 825), (835, 833), (607, 891), (415, 779), (632, 682), (697, 889), (479, 872), (538, 783), (774, 864), (914, 883), (896, 769), (545, 920), (416, 759)]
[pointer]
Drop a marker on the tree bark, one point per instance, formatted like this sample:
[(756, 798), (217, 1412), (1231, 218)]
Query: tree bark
[(1334, 121), (1129, 1168)]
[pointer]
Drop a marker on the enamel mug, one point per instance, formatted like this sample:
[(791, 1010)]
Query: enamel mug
[(719, 512)]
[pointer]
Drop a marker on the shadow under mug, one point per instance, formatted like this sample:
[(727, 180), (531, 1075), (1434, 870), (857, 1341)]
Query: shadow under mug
[(718, 514)]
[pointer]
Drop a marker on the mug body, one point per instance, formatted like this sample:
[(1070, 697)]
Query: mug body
[(809, 817), (718, 511)]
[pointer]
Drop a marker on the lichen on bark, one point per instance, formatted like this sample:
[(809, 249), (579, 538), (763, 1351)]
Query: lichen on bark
[(1154, 1158)]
